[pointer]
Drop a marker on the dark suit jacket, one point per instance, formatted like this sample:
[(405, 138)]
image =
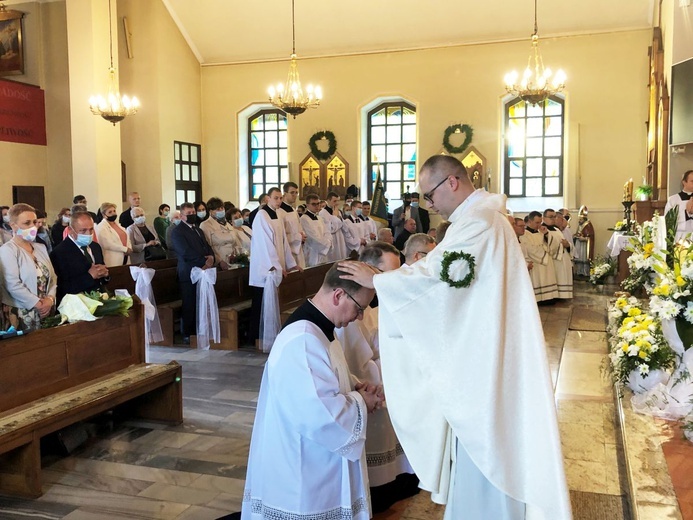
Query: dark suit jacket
[(425, 219), (402, 239), (72, 268), (191, 248), (398, 223), (125, 219)]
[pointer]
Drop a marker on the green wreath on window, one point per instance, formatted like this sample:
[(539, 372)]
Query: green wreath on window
[(331, 148), (448, 258), (456, 129)]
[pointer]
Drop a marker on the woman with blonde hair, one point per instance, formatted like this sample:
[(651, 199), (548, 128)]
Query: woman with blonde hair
[(113, 238), (29, 282)]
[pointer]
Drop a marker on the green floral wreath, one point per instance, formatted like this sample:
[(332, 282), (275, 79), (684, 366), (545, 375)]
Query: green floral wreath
[(452, 129), (331, 149), (448, 258)]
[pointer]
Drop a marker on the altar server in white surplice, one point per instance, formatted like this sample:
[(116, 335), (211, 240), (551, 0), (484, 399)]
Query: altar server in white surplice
[(684, 201), (270, 253), (307, 458), (370, 224), (480, 429), (353, 231), (558, 249), (294, 232), (543, 273), (333, 220), (318, 238), (389, 472)]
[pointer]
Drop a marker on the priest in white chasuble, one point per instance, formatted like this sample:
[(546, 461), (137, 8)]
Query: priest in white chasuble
[(294, 232), (333, 220), (558, 249), (389, 472), (684, 201), (479, 425), (318, 237), (307, 448), (535, 246)]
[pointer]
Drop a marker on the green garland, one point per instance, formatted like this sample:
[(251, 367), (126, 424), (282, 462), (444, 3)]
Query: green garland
[(331, 149), (448, 258), (466, 130)]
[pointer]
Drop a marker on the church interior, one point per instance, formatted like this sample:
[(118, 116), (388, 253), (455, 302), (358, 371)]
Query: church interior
[(201, 71)]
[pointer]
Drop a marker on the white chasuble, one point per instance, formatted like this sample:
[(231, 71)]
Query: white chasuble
[(318, 239), (469, 365), (269, 247), (543, 274), (306, 457), (385, 457), (334, 224)]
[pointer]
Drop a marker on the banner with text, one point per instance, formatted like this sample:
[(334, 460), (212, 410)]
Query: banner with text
[(22, 113)]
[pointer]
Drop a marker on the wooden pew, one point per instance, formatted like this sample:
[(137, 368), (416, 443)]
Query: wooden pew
[(56, 377)]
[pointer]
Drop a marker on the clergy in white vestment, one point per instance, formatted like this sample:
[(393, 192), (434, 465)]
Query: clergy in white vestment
[(371, 225), (307, 458), (519, 227), (559, 251), (294, 232), (271, 258), (389, 472), (543, 273), (480, 427), (353, 232), (333, 220), (318, 237), (563, 224), (684, 201)]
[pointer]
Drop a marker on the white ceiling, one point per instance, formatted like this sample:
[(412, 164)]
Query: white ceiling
[(235, 31)]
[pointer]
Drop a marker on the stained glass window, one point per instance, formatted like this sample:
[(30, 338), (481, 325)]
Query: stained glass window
[(533, 148), (187, 170), (392, 147), (268, 162)]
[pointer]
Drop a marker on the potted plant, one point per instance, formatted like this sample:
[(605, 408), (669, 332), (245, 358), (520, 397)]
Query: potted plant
[(644, 192)]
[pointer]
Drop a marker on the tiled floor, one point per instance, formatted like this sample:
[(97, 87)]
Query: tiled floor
[(195, 471)]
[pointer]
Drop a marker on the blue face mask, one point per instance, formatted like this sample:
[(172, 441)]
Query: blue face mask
[(218, 214), (83, 240), (201, 214), (176, 221), (414, 204), (238, 222), (359, 212)]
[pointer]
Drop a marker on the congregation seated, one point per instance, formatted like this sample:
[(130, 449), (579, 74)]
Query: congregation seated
[(114, 240), (408, 230), (141, 235), (78, 260), (220, 234), (59, 226), (385, 235), (125, 218), (162, 223), (28, 288)]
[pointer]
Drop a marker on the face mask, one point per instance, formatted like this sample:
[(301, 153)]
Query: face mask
[(66, 220), (6, 219), (359, 212), (238, 222), (347, 212), (219, 214), (28, 234), (165, 214), (191, 219), (201, 215), (175, 221), (112, 218), (139, 220), (414, 204), (83, 240)]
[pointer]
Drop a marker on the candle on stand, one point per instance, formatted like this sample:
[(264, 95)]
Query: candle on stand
[(625, 191), (630, 189)]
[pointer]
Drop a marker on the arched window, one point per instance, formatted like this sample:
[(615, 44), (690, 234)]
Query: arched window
[(391, 147), (533, 148), (268, 162)]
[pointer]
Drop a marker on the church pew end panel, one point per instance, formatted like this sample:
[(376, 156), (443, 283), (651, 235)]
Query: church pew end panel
[(229, 319)]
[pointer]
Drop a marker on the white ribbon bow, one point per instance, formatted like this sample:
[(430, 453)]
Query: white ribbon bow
[(143, 289), (207, 309)]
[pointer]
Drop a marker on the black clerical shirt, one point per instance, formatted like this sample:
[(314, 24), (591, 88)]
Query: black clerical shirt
[(309, 312)]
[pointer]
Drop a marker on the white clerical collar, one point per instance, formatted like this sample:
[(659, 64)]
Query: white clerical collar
[(465, 204), (687, 192)]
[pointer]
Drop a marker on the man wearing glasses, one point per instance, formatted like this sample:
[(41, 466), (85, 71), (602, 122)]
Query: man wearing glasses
[(307, 449), (480, 429)]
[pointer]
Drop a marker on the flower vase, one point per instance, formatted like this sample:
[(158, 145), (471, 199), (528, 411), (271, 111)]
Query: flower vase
[(639, 383), (599, 288)]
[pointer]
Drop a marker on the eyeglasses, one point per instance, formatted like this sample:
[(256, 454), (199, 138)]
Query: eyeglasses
[(429, 195), (358, 305)]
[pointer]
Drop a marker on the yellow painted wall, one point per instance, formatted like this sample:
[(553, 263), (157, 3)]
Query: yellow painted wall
[(45, 40), (165, 76), (606, 105)]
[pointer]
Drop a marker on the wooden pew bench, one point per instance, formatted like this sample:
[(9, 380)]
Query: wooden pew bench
[(52, 378), (229, 318)]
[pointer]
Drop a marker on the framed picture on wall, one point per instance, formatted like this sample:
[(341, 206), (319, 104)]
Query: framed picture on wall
[(11, 48)]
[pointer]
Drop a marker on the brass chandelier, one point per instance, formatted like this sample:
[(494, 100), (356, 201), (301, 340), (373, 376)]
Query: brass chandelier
[(537, 83), (114, 107), (290, 96)]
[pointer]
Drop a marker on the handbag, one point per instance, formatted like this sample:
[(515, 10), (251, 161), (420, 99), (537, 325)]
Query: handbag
[(152, 253)]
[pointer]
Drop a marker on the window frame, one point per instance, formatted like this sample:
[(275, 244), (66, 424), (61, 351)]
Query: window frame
[(507, 159), (370, 165), (249, 156), (189, 185)]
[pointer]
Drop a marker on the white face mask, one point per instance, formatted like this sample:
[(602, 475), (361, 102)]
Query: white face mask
[(66, 219), (6, 219), (139, 220), (414, 204)]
